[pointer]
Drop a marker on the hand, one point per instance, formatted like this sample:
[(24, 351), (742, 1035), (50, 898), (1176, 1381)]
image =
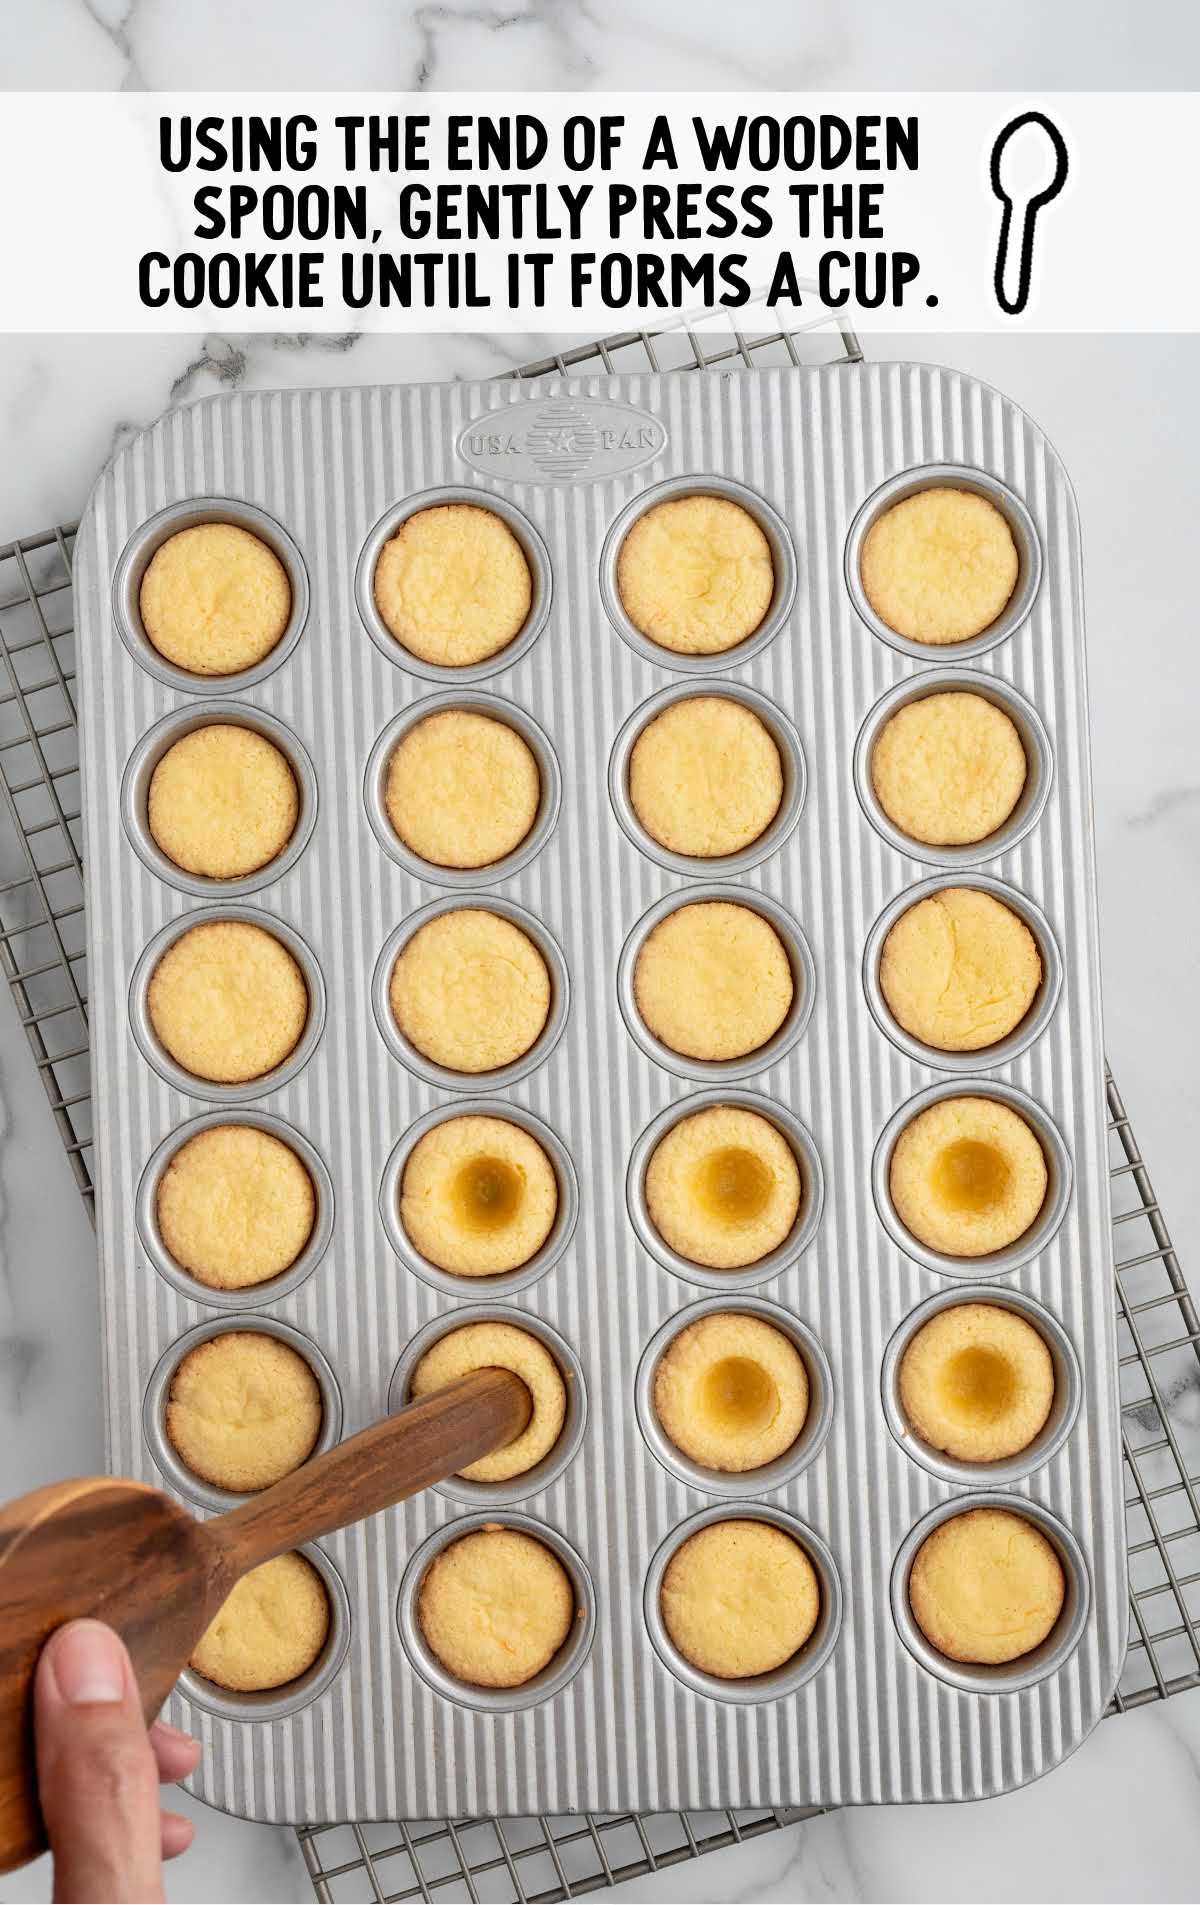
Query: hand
[(99, 1770)]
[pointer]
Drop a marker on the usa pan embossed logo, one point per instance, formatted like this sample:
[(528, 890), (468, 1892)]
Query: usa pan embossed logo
[(562, 440)]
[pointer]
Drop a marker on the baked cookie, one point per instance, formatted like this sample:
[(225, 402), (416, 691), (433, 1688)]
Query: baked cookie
[(470, 991), (495, 1607), (705, 778), (723, 1187), (949, 769), (453, 585), (235, 1206), (959, 970), (462, 790), (478, 1196), (493, 1345), (222, 802), (968, 1176), (977, 1382), (215, 599), (986, 1587), (244, 1410), (227, 1001), (713, 981), (731, 1392), (739, 1598), (940, 566), (272, 1628), (695, 575)]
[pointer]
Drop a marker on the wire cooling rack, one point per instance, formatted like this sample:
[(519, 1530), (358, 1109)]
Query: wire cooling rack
[(42, 958)]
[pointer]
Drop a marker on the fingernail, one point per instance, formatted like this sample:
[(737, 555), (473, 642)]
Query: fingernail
[(174, 1733), (89, 1664)]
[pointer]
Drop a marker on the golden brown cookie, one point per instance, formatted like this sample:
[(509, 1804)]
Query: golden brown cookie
[(214, 599), (493, 1345), (478, 1196), (470, 990), (495, 1607), (986, 1587), (244, 1410), (462, 790), (739, 1598), (695, 575), (731, 1392), (940, 566), (705, 778), (235, 1206), (977, 1382), (223, 802), (227, 1001), (949, 769), (968, 1176), (723, 1187), (453, 585), (713, 981), (272, 1628), (959, 970)]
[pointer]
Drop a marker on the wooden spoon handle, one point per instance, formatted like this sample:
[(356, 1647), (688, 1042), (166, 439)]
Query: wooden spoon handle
[(430, 1439)]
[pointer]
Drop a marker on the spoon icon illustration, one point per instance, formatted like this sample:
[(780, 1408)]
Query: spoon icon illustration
[(1029, 168)]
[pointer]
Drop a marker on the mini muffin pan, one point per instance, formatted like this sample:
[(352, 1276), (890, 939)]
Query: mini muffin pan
[(867, 1711)]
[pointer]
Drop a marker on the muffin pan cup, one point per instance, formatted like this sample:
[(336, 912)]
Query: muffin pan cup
[(253, 1295), (504, 1282), (156, 1054), (774, 835), (783, 560), (1013, 1676), (1023, 1035), (135, 794), (1039, 765), (555, 1676), (140, 550), (1016, 610), (570, 1439), (533, 548), (1054, 1205), (794, 1674), (274, 1704), (569, 464), (1068, 1390), (158, 1394), (804, 984), (749, 1483), (808, 1217), (442, 1076), (375, 790)]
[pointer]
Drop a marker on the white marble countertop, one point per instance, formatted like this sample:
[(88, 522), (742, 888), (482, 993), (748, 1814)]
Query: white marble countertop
[(1121, 1820)]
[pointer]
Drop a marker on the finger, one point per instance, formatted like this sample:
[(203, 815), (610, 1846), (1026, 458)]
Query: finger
[(97, 1775), (178, 1754), (177, 1834)]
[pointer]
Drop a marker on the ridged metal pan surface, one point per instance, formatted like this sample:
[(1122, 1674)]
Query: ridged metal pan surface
[(620, 1729)]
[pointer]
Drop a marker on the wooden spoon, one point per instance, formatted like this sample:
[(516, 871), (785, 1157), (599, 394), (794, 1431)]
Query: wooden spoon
[(131, 1556)]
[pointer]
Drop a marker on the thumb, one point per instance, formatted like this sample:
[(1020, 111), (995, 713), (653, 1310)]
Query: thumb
[(97, 1775)]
